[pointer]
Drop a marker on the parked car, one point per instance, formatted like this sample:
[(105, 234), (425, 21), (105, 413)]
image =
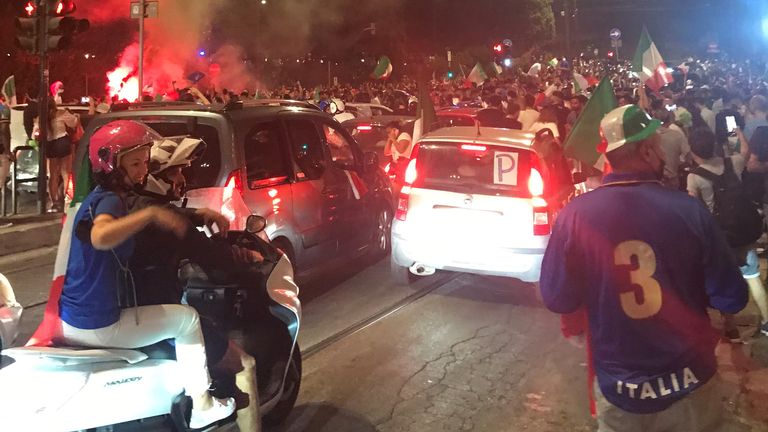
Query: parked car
[(371, 133), (479, 201), (368, 109), (325, 200)]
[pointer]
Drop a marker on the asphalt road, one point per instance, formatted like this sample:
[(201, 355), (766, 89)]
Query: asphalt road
[(452, 352)]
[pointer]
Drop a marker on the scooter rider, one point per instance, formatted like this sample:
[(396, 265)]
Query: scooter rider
[(102, 243), (158, 254)]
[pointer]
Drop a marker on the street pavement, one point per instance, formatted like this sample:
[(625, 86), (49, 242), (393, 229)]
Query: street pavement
[(452, 352)]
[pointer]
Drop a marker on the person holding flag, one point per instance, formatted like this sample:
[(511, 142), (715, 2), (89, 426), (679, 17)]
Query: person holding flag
[(649, 65), (97, 277), (651, 342)]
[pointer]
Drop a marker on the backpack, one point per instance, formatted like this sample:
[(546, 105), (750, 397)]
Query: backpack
[(736, 214)]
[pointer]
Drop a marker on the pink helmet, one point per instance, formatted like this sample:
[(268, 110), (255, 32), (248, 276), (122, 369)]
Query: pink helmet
[(117, 137)]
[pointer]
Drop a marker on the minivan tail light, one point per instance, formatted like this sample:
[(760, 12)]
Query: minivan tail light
[(70, 190), (234, 183), (535, 183)]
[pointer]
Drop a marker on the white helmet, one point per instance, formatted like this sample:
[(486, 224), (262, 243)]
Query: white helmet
[(336, 106), (168, 153)]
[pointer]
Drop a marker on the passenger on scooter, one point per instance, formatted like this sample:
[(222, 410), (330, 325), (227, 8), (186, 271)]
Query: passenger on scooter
[(158, 254), (97, 274)]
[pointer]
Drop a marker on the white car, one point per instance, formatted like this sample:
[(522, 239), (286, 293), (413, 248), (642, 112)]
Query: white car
[(368, 109), (478, 201)]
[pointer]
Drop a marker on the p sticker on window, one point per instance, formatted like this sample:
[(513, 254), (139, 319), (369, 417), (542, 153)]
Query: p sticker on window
[(505, 168)]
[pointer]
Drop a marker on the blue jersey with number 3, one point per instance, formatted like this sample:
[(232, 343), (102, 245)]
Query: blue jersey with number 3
[(646, 262)]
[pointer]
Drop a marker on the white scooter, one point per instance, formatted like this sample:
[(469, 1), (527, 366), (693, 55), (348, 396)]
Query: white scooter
[(72, 389), (10, 314)]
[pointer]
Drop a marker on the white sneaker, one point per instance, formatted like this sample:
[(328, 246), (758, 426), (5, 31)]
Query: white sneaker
[(222, 408)]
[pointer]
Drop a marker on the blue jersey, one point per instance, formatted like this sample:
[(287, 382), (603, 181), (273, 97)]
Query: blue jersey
[(90, 297), (646, 262)]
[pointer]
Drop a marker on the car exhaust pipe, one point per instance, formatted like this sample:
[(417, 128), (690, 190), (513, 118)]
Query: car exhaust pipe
[(420, 269)]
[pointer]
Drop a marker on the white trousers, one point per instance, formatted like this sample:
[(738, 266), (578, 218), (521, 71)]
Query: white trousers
[(156, 323)]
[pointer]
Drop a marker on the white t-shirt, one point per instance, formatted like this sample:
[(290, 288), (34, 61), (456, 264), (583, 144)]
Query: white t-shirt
[(702, 188), (63, 120), (528, 117), (709, 117), (675, 146), (537, 126), (407, 153)]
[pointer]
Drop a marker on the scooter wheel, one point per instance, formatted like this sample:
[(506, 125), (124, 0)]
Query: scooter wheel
[(282, 409)]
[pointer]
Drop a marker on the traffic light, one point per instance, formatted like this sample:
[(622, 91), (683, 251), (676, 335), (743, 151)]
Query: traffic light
[(450, 75), (610, 54), (62, 28), (498, 48), (26, 27)]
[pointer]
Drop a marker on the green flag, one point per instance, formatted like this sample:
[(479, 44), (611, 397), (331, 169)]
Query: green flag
[(383, 69), (425, 112), (477, 75), (9, 90), (584, 138)]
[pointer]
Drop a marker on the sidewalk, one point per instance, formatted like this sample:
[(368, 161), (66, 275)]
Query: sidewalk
[(28, 230), (744, 369)]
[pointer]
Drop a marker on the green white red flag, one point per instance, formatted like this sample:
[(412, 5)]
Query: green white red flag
[(383, 69), (46, 331), (649, 65), (9, 90), (478, 74), (583, 141)]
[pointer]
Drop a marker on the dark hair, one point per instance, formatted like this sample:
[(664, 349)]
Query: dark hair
[(703, 142), (530, 101), (548, 115), (113, 181), (394, 124)]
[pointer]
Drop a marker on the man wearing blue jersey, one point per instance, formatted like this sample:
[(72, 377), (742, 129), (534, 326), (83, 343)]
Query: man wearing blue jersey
[(645, 262)]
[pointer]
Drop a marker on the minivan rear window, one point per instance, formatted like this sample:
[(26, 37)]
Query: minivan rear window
[(473, 168), (204, 171)]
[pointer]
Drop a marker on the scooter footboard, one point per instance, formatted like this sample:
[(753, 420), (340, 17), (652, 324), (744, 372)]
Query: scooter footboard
[(89, 395)]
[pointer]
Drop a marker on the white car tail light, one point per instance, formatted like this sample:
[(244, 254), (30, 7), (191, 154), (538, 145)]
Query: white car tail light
[(402, 202)]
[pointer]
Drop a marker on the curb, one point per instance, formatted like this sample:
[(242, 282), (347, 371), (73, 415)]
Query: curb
[(29, 236)]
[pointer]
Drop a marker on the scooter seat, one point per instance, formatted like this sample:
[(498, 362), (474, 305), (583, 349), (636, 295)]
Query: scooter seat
[(73, 356)]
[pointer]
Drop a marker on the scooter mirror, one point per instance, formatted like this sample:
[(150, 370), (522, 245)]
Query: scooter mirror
[(255, 224)]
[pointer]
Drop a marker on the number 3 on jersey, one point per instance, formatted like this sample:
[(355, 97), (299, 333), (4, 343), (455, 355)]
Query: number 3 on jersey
[(641, 277)]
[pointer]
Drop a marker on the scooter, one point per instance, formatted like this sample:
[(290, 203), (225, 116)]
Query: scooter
[(10, 314), (74, 389)]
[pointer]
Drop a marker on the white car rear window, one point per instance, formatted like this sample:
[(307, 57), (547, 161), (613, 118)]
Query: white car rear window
[(473, 168)]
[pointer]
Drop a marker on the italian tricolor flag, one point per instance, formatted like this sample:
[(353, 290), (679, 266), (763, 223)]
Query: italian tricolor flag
[(383, 69), (649, 65), (584, 140), (477, 75), (47, 330)]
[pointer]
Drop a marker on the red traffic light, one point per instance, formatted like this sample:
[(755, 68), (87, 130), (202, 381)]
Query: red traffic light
[(498, 48), (65, 7), (30, 9), (610, 54)]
